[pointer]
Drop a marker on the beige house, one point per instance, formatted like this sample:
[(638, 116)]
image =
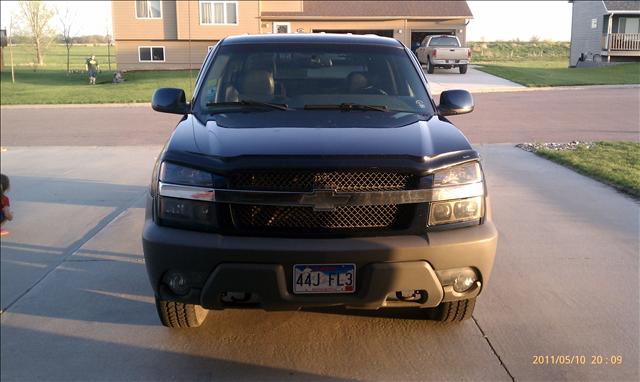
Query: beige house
[(155, 34)]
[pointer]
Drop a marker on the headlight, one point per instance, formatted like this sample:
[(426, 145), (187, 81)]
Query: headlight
[(463, 174), (186, 197), (184, 213), (172, 173), (455, 211), (458, 195)]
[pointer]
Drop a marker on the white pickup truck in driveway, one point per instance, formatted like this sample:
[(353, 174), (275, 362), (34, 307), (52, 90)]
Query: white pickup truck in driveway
[(443, 52)]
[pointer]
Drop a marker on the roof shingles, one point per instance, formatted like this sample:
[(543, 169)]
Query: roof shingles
[(396, 8), (633, 5)]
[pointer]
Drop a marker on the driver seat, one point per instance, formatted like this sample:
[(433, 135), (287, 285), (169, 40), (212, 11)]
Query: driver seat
[(257, 85), (356, 82)]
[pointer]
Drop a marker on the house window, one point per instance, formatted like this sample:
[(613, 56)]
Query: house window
[(148, 9), (151, 53), (281, 27), (218, 12), (629, 25)]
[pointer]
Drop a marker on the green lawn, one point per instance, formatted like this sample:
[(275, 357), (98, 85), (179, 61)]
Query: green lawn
[(51, 84), (55, 57), (56, 86), (535, 73), (614, 163)]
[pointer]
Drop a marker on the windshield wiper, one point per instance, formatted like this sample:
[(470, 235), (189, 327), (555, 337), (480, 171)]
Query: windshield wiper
[(247, 102), (347, 107)]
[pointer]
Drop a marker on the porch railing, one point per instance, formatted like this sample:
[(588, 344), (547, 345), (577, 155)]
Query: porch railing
[(624, 41)]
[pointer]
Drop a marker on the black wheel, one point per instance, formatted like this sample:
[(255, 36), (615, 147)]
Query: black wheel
[(454, 311), (429, 66), (178, 315), (463, 69)]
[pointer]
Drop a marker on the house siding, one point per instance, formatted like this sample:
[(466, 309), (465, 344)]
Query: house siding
[(188, 21), (177, 54), (180, 25), (584, 39), (128, 27), (281, 6)]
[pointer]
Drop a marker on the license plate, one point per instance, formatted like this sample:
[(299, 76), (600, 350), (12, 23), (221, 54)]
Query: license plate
[(324, 278), (450, 61)]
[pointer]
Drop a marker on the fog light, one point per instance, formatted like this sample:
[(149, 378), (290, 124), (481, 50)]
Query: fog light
[(177, 283), (461, 279), (464, 281)]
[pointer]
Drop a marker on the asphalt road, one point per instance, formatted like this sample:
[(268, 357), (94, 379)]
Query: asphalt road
[(77, 304), (553, 115)]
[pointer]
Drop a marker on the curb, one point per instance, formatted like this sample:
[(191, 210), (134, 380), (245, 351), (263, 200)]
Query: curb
[(543, 89), (433, 92), (76, 105)]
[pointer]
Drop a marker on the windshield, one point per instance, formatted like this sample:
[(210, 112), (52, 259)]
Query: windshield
[(444, 41), (311, 76)]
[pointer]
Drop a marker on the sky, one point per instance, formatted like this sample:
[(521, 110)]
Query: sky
[(493, 20)]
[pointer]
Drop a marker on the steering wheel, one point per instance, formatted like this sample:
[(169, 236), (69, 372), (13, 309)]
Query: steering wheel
[(374, 90)]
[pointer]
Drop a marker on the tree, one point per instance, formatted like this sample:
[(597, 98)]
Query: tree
[(66, 21), (37, 16), (108, 39)]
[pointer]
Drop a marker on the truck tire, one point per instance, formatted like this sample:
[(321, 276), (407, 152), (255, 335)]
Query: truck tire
[(430, 67), (454, 311), (463, 69), (178, 315)]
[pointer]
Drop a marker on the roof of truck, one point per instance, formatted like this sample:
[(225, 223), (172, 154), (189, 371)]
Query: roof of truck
[(330, 38)]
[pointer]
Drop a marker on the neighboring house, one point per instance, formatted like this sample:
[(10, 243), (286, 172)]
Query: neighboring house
[(153, 34), (606, 31)]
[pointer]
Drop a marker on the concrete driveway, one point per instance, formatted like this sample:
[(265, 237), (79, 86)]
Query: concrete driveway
[(76, 303), (78, 306), (474, 81)]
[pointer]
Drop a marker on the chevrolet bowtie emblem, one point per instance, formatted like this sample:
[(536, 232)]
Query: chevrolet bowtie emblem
[(324, 200)]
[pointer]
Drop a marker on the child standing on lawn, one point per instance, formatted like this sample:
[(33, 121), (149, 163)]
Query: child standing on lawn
[(5, 212), (92, 68)]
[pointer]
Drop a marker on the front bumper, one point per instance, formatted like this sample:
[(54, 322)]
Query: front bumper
[(214, 264)]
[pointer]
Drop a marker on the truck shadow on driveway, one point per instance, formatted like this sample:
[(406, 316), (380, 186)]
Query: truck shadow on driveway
[(84, 356)]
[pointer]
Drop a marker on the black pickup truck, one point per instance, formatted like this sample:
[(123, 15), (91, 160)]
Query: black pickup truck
[(316, 170)]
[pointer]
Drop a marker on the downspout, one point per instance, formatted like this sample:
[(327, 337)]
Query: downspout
[(609, 27)]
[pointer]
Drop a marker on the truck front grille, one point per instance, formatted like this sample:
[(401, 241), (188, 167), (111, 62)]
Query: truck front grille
[(279, 220), (305, 219), (300, 181)]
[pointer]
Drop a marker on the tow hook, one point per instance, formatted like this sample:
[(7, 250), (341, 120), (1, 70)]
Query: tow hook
[(419, 296)]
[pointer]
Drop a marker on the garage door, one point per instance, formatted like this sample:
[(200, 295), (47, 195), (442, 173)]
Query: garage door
[(379, 32)]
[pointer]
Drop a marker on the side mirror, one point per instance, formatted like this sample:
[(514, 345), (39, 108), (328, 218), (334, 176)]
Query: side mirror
[(170, 100), (454, 102)]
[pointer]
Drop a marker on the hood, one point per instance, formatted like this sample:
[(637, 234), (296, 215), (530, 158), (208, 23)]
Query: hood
[(407, 137), (327, 133)]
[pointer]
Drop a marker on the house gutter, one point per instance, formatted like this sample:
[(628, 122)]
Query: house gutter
[(331, 18)]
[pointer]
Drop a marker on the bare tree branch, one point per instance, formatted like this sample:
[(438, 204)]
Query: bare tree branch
[(66, 21), (37, 16)]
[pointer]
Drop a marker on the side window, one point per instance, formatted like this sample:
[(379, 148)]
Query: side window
[(148, 9), (151, 53), (218, 12), (217, 80)]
